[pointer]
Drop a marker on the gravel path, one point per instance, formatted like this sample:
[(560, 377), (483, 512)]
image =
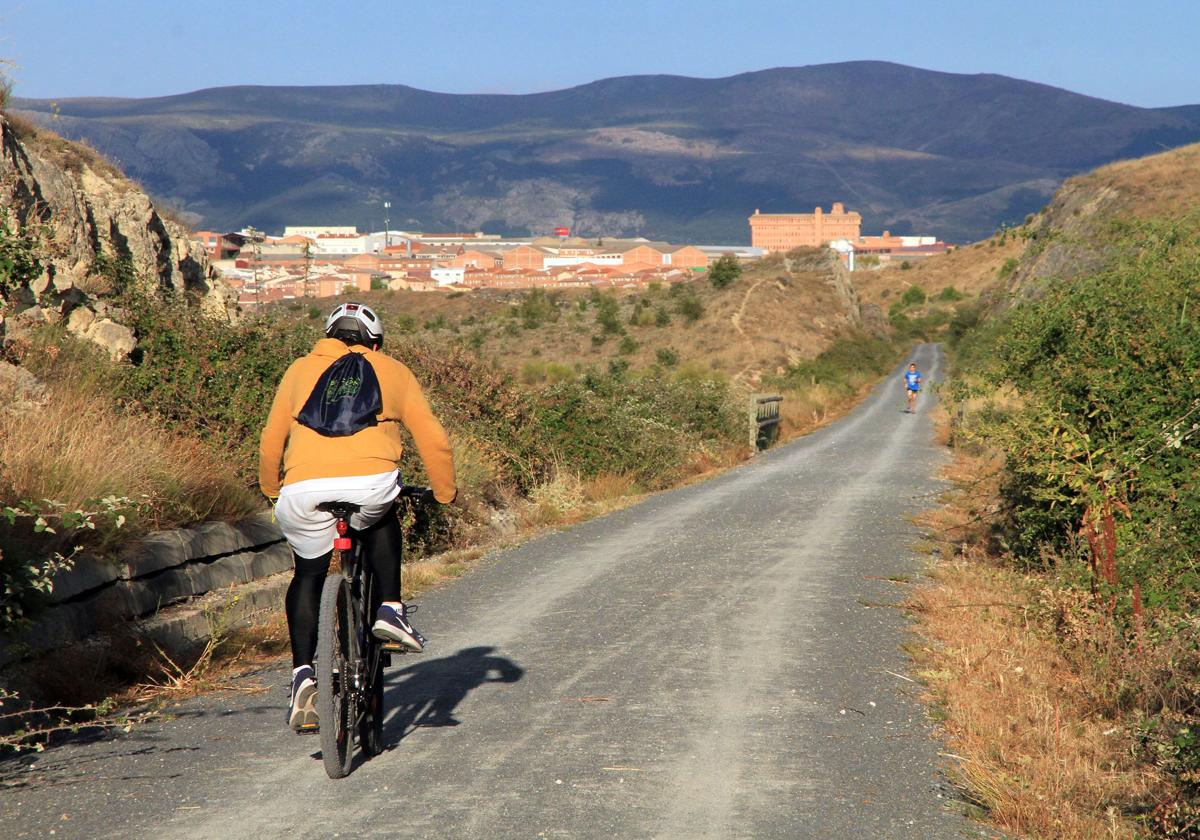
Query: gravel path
[(720, 661)]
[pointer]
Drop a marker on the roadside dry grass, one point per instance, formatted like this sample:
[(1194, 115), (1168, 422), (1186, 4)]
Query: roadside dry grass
[(75, 444), (1031, 739)]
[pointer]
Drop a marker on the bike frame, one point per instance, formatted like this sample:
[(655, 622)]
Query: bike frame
[(358, 682)]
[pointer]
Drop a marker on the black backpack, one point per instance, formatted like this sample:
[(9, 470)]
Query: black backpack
[(345, 400)]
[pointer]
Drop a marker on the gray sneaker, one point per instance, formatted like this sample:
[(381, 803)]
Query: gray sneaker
[(302, 708), (391, 625)]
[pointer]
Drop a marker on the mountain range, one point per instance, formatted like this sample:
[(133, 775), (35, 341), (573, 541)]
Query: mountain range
[(686, 159)]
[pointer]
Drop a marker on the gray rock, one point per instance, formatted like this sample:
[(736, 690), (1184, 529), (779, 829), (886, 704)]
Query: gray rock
[(80, 319), (24, 387), (118, 340), (40, 283), (190, 624)]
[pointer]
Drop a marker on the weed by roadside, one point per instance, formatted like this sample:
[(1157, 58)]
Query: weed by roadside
[(1048, 707)]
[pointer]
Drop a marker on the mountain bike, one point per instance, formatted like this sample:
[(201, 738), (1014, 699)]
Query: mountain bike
[(350, 660)]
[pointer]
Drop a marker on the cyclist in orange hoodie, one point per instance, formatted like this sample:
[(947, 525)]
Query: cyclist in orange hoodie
[(302, 463)]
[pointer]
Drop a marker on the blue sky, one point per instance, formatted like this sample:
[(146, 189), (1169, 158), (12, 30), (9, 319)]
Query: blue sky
[(1143, 53)]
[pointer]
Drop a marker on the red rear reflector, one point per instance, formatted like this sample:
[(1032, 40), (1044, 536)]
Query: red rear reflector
[(342, 543), (342, 527)]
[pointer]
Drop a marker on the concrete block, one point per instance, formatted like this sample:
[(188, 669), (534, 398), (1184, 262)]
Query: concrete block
[(190, 624), (207, 577), (166, 588), (212, 539), (272, 561), (258, 530), (87, 574), (157, 551)]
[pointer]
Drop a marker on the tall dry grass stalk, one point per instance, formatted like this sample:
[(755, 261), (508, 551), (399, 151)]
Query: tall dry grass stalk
[(78, 445)]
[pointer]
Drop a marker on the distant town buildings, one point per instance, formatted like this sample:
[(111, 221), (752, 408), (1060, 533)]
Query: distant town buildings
[(320, 261), (840, 230), (327, 260), (781, 232)]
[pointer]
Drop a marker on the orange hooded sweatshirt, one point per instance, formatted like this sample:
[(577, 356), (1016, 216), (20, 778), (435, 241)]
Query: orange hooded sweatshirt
[(371, 451)]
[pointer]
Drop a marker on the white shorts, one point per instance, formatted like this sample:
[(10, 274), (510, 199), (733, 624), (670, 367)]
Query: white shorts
[(309, 531)]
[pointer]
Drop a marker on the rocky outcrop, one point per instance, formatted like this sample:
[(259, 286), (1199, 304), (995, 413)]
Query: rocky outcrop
[(826, 261), (93, 229), (1073, 235)]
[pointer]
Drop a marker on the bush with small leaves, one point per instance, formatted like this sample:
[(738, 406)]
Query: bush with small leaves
[(724, 271), (690, 307), (914, 295)]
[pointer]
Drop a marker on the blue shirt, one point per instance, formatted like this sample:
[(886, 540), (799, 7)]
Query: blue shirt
[(913, 379)]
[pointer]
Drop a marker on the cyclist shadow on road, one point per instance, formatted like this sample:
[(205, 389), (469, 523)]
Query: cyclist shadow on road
[(427, 692)]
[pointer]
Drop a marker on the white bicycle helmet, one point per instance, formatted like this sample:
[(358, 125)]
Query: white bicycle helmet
[(350, 320)]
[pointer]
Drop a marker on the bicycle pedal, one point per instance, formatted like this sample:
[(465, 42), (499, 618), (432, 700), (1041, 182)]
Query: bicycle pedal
[(311, 729), (394, 647)]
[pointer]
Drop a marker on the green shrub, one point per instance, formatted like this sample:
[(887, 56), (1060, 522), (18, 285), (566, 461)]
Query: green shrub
[(627, 346), (210, 377), (843, 365), (950, 295), (537, 308), (608, 314), (1099, 490), (1107, 367), (1007, 268), (645, 427), (19, 258), (914, 295), (643, 316), (724, 271), (689, 306), (666, 356)]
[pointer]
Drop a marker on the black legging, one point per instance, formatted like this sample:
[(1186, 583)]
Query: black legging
[(382, 544)]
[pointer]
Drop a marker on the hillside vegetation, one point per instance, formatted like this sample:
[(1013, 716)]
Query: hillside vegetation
[(1080, 389), (781, 310), (667, 156), (559, 405)]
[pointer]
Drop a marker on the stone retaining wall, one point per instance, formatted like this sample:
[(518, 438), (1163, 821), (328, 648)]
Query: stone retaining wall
[(164, 569)]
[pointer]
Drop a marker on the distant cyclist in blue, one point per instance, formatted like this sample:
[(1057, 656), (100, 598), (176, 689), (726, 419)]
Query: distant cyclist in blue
[(912, 384)]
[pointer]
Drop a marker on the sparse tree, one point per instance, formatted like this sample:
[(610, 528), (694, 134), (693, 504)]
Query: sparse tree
[(724, 271)]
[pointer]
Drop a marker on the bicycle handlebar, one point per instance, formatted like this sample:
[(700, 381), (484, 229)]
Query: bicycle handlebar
[(414, 491)]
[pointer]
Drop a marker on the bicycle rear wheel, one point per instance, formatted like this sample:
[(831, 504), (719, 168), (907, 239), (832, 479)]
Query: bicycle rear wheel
[(337, 655), (370, 730)]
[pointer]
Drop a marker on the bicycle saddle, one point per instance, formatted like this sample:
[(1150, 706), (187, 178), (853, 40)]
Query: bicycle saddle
[(341, 510)]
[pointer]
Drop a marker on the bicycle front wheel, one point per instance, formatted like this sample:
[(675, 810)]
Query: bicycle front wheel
[(337, 654)]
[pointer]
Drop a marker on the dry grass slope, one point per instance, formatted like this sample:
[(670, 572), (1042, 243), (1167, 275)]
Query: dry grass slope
[(776, 313), (76, 444), (1030, 730)]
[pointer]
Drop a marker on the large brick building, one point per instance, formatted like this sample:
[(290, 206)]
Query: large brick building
[(785, 231)]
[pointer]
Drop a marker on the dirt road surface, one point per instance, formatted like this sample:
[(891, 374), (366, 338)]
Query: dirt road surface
[(720, 661)]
